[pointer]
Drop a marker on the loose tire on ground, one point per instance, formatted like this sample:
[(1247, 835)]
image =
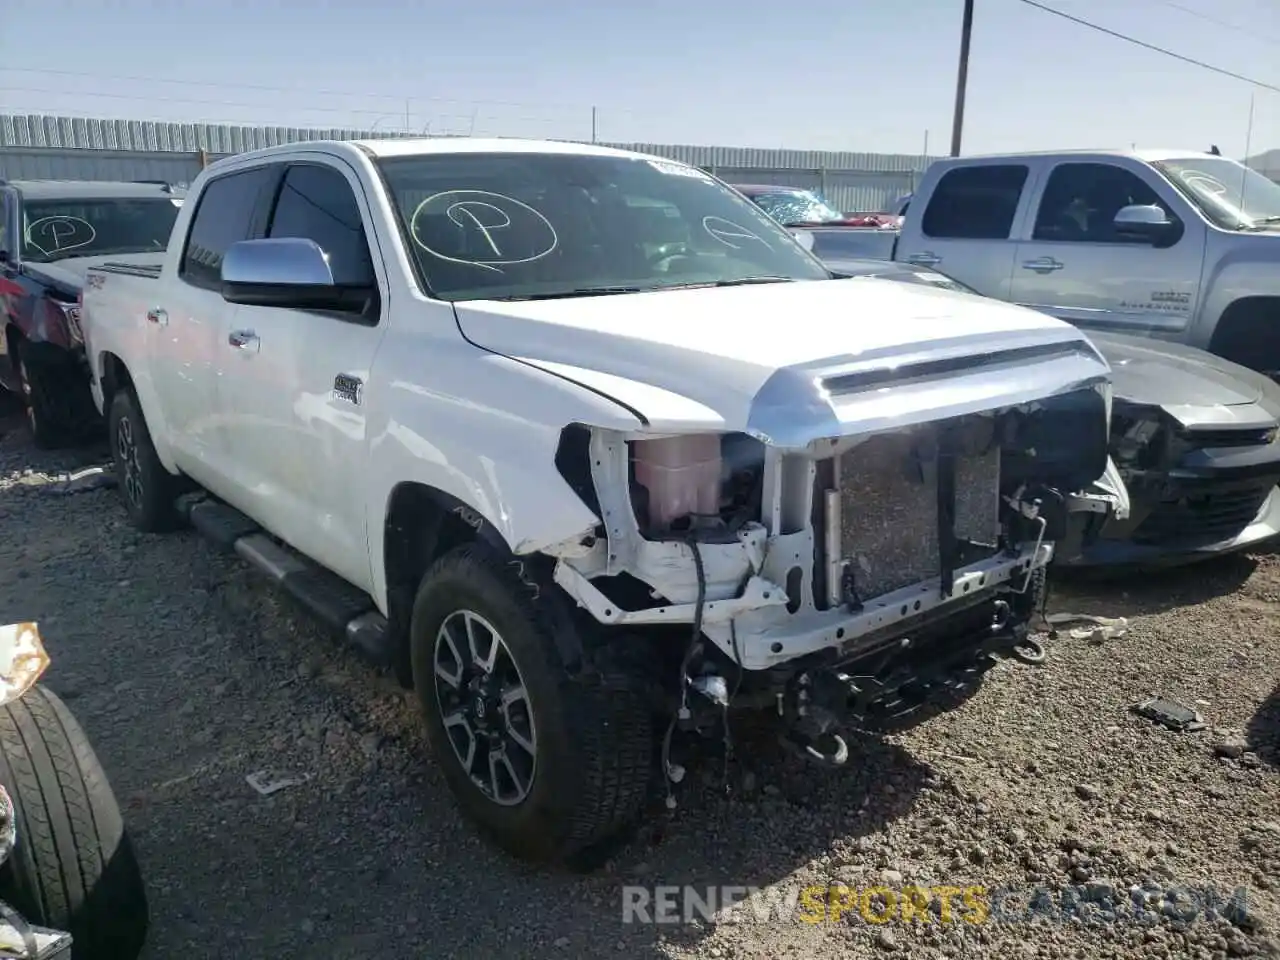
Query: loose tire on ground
[(594, 734), (147, 488), (73, 867)]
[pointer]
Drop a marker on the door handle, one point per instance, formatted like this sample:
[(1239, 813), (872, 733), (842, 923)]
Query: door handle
[(243, 339), (1042, 265), (159, 316), (925, 259)]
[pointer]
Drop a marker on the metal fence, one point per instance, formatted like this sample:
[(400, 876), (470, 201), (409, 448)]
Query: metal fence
[(77, 148)]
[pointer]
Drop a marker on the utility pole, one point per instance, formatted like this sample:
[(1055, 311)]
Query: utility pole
[(962, 78), (594, 121)]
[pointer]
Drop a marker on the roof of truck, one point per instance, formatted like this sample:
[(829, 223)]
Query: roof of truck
[(87, 189), (1150, 155), (418, 146)]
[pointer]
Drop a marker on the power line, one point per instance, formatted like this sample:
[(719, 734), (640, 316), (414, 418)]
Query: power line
[(1226, 25), (1151, 46), (268, 88)]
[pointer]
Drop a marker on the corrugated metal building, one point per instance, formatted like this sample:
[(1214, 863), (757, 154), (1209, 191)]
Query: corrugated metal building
[(78, 148)]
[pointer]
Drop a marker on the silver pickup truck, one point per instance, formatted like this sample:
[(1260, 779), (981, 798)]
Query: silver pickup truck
[(1177, 245)]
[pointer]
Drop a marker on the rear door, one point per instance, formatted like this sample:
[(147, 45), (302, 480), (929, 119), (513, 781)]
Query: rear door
[(187, 319), (967, 227), (1074, 265)]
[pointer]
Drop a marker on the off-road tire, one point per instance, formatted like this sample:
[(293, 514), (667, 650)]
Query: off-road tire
[(43, 394), (594, 728), (151, 504), (73, 867)]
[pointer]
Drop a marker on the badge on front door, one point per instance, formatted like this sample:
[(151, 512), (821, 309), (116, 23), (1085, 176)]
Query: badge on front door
[(347, 387)]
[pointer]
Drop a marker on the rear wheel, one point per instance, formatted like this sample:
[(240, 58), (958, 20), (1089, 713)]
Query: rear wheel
[(72, 867), (546, 764), (148, 489)]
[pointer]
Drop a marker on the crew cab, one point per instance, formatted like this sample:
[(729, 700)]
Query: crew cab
[(568, 434), (51, 232), (1172, 244)]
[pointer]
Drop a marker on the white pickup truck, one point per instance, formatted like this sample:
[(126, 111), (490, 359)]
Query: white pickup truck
[(1178, 245), (571, 437)]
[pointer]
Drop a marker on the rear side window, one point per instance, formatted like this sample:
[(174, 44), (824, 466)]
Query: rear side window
[(317, 203), (226, 214), (975, 203)]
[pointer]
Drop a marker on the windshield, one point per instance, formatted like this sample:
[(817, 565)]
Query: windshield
[(56, 229), (1228, 193), (796, 206), (491, 226)]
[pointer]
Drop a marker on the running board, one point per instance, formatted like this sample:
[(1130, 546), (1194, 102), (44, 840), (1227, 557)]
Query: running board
[(344, 609)]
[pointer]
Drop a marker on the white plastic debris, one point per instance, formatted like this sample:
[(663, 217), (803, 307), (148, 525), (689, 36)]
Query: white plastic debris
[(1102, 629), (22, 660), (267, 782)]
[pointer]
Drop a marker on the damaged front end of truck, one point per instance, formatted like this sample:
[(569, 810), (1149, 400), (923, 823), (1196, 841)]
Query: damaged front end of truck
[(878, 533)]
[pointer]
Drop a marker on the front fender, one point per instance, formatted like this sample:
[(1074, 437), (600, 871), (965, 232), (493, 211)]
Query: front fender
[(485, 433), (1238, 273)]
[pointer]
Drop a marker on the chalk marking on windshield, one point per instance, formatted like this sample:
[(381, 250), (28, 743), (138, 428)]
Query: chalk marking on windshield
[(56, 229), (726, 231), (486, 214), (1199, 180)]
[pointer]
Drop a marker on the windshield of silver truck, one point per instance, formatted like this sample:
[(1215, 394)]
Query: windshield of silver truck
[(547, 225), (1228, 193)]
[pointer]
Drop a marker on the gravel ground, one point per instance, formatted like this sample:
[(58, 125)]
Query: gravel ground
[(189, 673)]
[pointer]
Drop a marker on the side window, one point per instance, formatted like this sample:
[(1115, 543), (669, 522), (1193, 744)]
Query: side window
[(1081, 200), (975, 203), (317, 203), (225, 215)]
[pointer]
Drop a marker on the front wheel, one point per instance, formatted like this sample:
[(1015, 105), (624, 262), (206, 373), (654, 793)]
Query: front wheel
[(544, 763), (42, 394)]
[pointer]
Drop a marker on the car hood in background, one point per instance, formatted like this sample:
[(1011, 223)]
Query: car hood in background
[(1195, 387), (758, 358)]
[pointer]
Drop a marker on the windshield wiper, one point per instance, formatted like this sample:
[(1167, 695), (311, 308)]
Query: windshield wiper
[(746, 281), (65, 255), (740, 282), (608, 291), (1260, 221), (576, 292)]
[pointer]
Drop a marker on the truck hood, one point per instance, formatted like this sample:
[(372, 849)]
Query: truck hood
[(70, 273), (1193, 386), (792, 362)]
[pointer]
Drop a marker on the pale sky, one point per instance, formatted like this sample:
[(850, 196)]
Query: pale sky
[(865, 75)]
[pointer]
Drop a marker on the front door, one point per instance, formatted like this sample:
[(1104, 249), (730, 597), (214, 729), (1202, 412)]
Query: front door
[(295, 390), (1077, 267)]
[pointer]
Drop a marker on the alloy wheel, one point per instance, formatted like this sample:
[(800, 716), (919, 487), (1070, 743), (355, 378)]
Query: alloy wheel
[(24, 380), (484, 706), (127, 452)]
